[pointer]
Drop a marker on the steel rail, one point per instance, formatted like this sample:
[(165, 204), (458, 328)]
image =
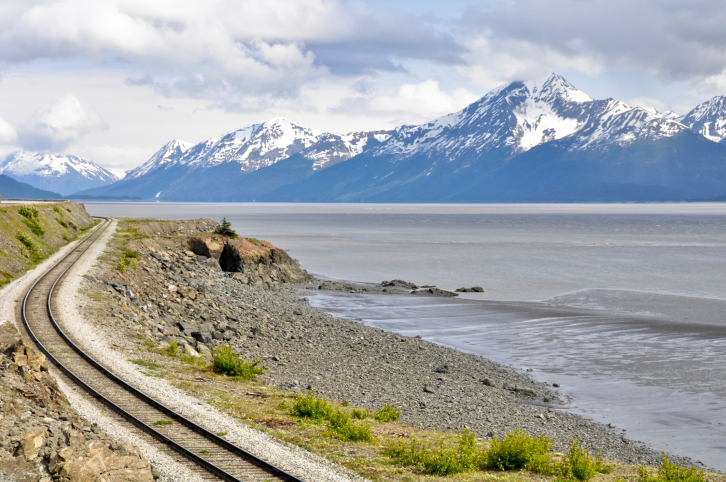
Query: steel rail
[(210, 467)]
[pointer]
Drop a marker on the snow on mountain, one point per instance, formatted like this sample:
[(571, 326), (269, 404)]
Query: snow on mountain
[(709, 119), (55, 172), (261, 145), (521, 115), (167, 156), (253, 147), (331, 149), (613, 122)]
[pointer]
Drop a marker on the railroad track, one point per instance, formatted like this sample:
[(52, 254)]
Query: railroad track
[(219, 459)]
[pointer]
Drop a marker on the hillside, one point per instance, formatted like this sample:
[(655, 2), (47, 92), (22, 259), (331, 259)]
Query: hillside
[(12, 189), (30, 233)]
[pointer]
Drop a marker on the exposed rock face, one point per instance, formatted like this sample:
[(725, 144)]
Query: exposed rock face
[(255, 261), (41, 437)]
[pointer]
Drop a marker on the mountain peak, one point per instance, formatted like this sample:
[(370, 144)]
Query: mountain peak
[(709, 119), (553, 86)]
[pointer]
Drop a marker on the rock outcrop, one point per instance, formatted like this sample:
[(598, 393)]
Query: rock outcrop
[(255, 261), (41, 437)]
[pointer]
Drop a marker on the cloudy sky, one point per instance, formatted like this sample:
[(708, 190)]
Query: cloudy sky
[(113, 80)]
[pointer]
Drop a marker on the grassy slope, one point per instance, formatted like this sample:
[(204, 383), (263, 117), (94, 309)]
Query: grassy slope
[(15, 257)]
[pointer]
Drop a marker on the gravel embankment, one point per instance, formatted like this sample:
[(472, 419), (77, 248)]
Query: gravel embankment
[(176, 295)]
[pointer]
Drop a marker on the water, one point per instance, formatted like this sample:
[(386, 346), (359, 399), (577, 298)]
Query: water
[(623, 305)]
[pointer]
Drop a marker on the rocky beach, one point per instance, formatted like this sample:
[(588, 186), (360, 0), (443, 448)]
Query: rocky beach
[(202, 290)]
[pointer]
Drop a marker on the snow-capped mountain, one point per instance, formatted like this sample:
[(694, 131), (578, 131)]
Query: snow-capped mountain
[(181, 169), (60, 173), (521, 115), (709, 119), (167, 156), (528, 141)]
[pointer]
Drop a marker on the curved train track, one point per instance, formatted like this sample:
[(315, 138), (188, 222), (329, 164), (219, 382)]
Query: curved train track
[(220, 459)]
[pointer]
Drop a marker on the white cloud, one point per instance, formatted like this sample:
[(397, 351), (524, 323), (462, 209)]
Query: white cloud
[(238, 53), (414, 102), (58, 124), (8, 135)]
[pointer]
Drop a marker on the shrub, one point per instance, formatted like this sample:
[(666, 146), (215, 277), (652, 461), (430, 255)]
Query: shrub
[(311, 406), (441, 460), (172, 349), (62, 223), (26, 240), (127, 259), (669, 472), (338, 419), (518, 451), (387, 414), (226, 229), (30, 212), (360, 414), (57, 210), (355, 432), (226, 362), (35, 226)]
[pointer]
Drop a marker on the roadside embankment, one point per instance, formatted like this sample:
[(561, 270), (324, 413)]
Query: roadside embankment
[(165, 303), (31, 232)]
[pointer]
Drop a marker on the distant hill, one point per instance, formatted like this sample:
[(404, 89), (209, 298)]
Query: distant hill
[(12, 189)]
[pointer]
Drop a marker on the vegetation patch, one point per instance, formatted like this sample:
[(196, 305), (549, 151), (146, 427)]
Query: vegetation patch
[(26, 240), (669, 472), (127, 259), (387, 414), (225, 228), (163, 422), (319, 409), (227, 363)]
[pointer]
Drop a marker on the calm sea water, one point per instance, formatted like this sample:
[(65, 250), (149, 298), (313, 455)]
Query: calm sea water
[(623, 305)]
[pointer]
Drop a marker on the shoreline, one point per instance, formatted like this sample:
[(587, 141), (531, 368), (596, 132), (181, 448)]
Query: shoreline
[(304, 349)]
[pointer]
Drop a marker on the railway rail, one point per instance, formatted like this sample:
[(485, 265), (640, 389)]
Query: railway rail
[(219, 458)]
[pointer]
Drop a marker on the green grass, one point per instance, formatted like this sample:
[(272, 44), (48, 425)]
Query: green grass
[(227, 363), (163, 422), (146, 364), (62, 222), (57, 210), (669, 472)]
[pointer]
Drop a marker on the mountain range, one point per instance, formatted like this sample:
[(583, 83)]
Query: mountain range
[(540, 141)]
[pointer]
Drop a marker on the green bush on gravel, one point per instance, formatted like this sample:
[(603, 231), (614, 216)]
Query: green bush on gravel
[(441, 460), (29, 212), (669, 472), (320, 409), (26, 240), (227, 363), (128, 259), (579, 465), (519, 451), (387, 414)]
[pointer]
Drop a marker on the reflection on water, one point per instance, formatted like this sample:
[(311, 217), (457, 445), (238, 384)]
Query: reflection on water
[(664, 382)]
